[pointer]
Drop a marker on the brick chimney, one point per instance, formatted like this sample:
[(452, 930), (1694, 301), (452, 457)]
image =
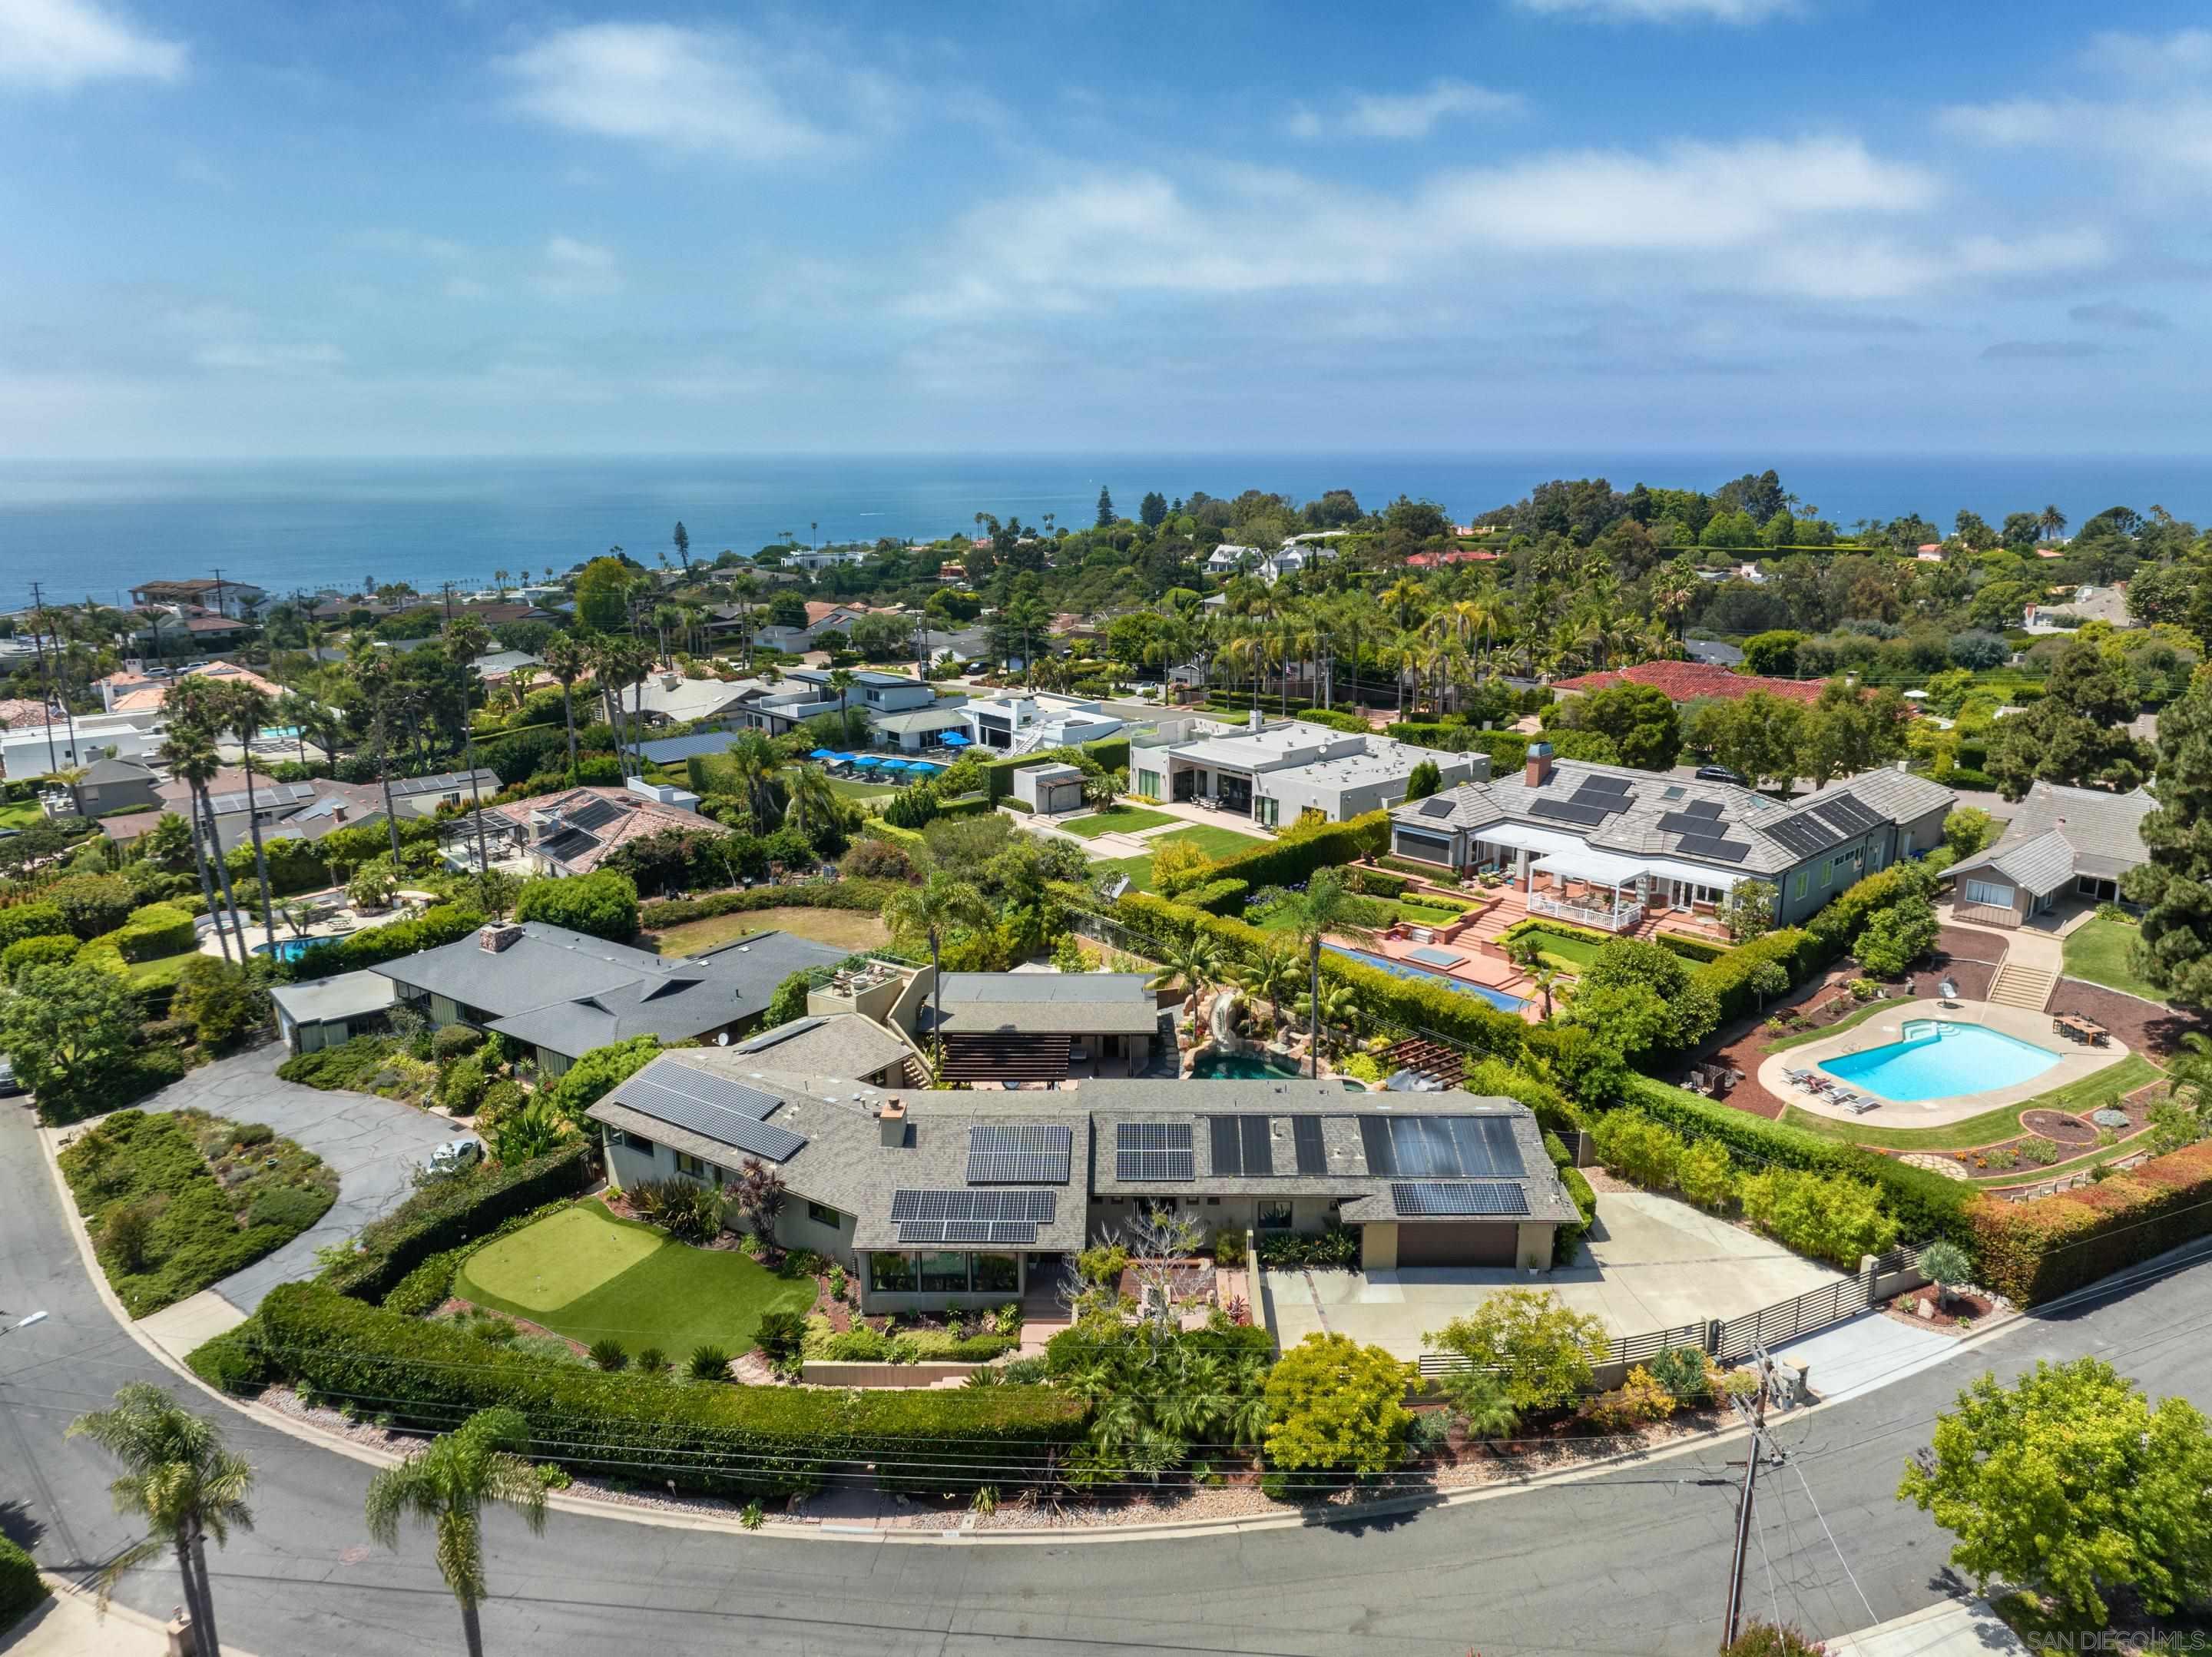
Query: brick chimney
[(892, 1120), (494, 938), (1539, 770)]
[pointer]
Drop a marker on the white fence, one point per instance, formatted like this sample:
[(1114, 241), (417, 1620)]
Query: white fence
[(1617, 918)]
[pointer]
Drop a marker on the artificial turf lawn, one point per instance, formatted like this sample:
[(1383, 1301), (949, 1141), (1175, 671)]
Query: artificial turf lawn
[(1116, 820), (1215, 843), (670, 1295), (2097, 952)]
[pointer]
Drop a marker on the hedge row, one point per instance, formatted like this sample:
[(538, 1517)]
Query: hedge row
[(1112, 754), (440, 1217), (1216, 897), (33, 920), (444, 923), (1690, 949), (1925, 1205), (868, 895), (2037, 1251), (1290, 859), (1798, 953), (156, 930), (20, 1587), (742, 1441)]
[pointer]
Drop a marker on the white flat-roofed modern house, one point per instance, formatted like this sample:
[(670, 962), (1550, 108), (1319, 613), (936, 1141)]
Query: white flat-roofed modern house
[(1027, 722), (1270, 772)]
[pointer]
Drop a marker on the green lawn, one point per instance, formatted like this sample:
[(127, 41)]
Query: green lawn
[(1990, 1126), (588, 1275), (1115, 819), (2098, 950), (165, 970), (1783, 1044), (846, 789), (1562, 949), (1138, 869), (22, 813), (1215, 843)]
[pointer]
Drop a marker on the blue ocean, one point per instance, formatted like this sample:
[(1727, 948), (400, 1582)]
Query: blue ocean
[(96, 529)]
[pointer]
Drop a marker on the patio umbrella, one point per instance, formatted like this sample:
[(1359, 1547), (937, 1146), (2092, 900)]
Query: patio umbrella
[(824, 753), (869, 759), (930, 766), (953, 740)]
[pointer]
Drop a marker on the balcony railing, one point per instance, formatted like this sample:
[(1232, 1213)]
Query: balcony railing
[(1613, 918)]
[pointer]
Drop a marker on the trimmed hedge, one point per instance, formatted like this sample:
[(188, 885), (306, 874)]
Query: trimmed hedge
[(443, 924), (1925, 1205), (20, 1587), (1216, 897), (1728, 976), (2037, 1251), (869, 895), (156, 930), (1111, 752), (1289, 860), (440, 1217), (21, 921), (744, 1442)]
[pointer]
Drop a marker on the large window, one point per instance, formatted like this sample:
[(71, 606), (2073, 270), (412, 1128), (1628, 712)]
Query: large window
[(997, 1274), (944, 1272), (686, 1163), (1800, 883), (1274, 1216), (891, 1273), (821, 1215), (1988, 893), (637, 1142)]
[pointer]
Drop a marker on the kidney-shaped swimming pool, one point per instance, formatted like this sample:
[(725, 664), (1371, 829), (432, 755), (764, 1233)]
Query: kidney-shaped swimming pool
[(1938, 1059)]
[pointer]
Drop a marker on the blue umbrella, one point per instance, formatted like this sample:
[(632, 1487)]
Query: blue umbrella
[(923, 766), (824, 753), (954, 740), (896, 765), (869, 759)]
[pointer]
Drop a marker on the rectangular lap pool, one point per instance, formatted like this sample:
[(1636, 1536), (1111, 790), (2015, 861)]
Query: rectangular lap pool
[(1496, 998), (1937, 1059)]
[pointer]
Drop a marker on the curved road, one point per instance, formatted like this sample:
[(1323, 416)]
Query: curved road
[(1635, 1562)]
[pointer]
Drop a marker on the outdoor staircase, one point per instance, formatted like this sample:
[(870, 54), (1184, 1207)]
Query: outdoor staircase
[(2019, 985)]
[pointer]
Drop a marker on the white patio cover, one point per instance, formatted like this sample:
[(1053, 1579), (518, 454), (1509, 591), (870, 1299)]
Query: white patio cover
[(1588, 863), (1521, 838), (1667, 869)]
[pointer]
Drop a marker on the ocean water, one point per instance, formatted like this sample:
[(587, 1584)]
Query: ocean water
[(96, 529)]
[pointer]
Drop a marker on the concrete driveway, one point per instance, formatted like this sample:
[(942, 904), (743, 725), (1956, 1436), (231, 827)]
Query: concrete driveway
[(373, 1145), (1650, 1263)]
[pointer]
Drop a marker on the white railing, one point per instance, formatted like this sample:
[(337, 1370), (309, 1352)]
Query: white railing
[(1618, 919)]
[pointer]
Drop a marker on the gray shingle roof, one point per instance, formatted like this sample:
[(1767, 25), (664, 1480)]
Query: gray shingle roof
[(847, 1044), (2039, 865), (1047, 1003), (2103, 831)]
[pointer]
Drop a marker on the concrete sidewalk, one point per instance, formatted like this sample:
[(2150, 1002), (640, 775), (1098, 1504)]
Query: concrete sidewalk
[(70, 1624), (1870, 1351)]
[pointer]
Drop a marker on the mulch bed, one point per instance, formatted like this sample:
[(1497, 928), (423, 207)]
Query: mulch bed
[(1966, 1306), (2154, 1031), (2056, 1124)]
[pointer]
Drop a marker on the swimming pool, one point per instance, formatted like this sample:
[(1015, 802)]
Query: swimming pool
[(1937, 1058), (290, 949), (280, 732), (1215, 1065), (1496, 998)]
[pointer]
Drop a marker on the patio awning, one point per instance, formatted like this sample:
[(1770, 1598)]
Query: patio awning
[(1521, 838), (1669, 868), (1586, 863)]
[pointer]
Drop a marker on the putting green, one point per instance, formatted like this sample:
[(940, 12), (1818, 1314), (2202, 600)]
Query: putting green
[(560, 1259)]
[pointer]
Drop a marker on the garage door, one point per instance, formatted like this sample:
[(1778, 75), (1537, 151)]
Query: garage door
[(1456, 1243)]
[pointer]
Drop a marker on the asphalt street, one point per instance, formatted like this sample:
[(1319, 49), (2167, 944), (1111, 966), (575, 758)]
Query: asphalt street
[(1635, 1562)]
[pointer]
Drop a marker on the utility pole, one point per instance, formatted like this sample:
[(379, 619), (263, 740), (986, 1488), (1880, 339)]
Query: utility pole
[(449, 601), (1753, 1415), (45, 680), (218, 589)]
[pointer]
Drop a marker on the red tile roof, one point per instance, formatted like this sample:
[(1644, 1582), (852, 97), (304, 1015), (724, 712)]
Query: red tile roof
[(1683, 681)]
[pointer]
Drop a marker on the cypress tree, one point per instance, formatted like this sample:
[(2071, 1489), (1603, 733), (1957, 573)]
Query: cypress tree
[(2175, 949)]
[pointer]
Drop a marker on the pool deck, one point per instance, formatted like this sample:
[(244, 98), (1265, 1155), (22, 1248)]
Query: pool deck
[(1467, 964), (2075, 1062)]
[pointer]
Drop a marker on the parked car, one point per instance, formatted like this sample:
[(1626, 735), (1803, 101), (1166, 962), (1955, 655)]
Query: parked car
[(9, 1087), (1721, 774), (455, 1156)]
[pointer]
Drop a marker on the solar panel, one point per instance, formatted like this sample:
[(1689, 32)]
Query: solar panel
[(1604, 784), (1602, 801), (1444, 1147), (1680, 822), (1305, 1134), (1439, 807), (1421, 1197), (566, 844), (1723, 851), (1567, 811), (1703, 808), (1846, 814), (721, 1110), (1153, 1151), (1802, 835), (593, 813), (973, 1207), (1026, 1153), (1228, 1146), (1007, 1231), (1259, 1148)]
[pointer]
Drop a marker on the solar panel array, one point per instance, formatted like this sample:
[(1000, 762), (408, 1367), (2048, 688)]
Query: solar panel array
[(1680, 822), (1568, 811), (1606, 794), (1242, 1147), (1420, 1197), (593, 813), (1703, 808), (1153, 1151), (1804, 834), (1449, 1147), (1848, 813), (971, 1216), (1020, 1153), (567, 845), (1305, 1134), (1712, 846), (1439, 807), (725, 1111)]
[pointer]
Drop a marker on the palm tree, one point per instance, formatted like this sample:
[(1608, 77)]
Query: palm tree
[(567, 659), (247, 711), (1194, 958), (841, 680), (666, 616), (811, 803), (190, 754), (180, 1476), (1274, 975), (754, 762), (1543, 978), (448, 1486), (935, 907), (1327, 908), (466, 640), (2052, 522), (1337, 1007)]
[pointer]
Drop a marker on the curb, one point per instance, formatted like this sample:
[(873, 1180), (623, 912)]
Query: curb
[(155, 1628)]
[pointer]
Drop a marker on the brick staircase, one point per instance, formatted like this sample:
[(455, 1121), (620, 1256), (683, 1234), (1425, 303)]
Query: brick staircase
[(2023, 986)]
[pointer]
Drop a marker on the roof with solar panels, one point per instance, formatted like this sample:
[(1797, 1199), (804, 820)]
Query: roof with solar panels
[(1020, 1170), (1614, 808)]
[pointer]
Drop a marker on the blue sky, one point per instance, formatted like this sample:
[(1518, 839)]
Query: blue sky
[(248, 228)]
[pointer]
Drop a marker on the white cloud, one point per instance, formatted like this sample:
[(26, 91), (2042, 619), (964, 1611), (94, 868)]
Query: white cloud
[(2152, 57), (577, 270), (2156, 130), (1403, 115), (269, 358), (60, 44), (694, 91), (1663, 11)]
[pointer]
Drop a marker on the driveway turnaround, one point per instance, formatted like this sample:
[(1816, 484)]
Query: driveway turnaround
[(1650, 1263), (373, 1145)]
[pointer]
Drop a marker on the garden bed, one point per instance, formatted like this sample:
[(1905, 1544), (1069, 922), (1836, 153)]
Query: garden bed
[(1966, 1309)]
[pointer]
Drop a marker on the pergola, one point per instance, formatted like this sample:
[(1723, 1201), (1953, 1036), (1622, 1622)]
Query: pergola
[(1595, 869)]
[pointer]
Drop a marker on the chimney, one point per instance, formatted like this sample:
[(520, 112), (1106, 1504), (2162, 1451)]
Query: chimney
[(494, 938), (892, 1118), (1539, 764), (1255, 720), (338, 813)]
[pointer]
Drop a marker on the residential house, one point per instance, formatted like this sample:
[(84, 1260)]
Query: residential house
[(235, 599), (944, 1200), (805, 693), (2083, 603), (171, 632), (822, 617), (1687, 681), (1228, 558), (1604, 846), (330, 1012), (571, 831), (2062, 842), (35, 750), (670, 698), (502, 665), (556, 994), (1035, 1026), (137, 689), (116, 785), (1273, 771), (1024, 722)]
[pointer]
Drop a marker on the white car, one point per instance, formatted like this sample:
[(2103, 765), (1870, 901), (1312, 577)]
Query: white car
[(454, 1157)]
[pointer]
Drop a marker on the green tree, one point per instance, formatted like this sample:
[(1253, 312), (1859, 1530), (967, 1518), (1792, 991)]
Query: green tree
[(68, 1031), (602, 903), (603, 595), (2078, 732), (1545, 1352), (1773, 653), (446, 1485), (180, 1478), (1749, 911), (1639, 720), (1327, 908), (248, 709), (1966, 831), (789, 1001), (1630, 963), (1424, 781), (2174, 948), (598, 1073), (682, 539), (939, 906), (1895, 937), (1152, 510), (1336, 1407), (2071, 1484), (221, 1002), (1105, 508), (1759, 736), (1849, 730)]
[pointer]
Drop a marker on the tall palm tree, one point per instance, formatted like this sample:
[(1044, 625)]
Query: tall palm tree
[(248, 710), (184, 1480), (1274, 974), (2052, 522), (811, 803), (447, 1486), (1336, 1006), (190, 754), (666, 616), (567, 659), (1327, 908), (841, 680), (754, 762), (935, 907), (467, 639)]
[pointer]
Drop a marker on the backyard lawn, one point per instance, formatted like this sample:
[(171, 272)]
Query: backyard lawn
[(848, 928), (587, 1275), (21, 814), (1215, 843), (1138, 869), (1115, 819), (2004, 1123), (2098, 950), (1561, 949)]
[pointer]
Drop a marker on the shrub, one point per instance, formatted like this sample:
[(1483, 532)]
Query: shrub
[(1829, 1218), (1681, 1371), (652, 1361), (1727, 978), (443, 1216), (52, 949), (1640, 1149), (1545, 1353), (778, 1335), (91, 905), (683, 1207), (1705, 1175), (1773, 1640), (2040, 1151), (1229, 1247), (1336, 1248), (294, 1208), (1292, 855), (249, 1134), (1637, 1401), (233, 1361), (1337, 1408), (444, 923), (454, 1040), (598, 1073), (427, 1288), (1567, 1240), (603, 904), (156, 930), (868, 896), (708, 1363), (1218, 897), (608, 1354), (223, 1004), (1102, 1265), (462, 1087), (20, 1587), (1374, 883), (2033, 1252), (37, 920)]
